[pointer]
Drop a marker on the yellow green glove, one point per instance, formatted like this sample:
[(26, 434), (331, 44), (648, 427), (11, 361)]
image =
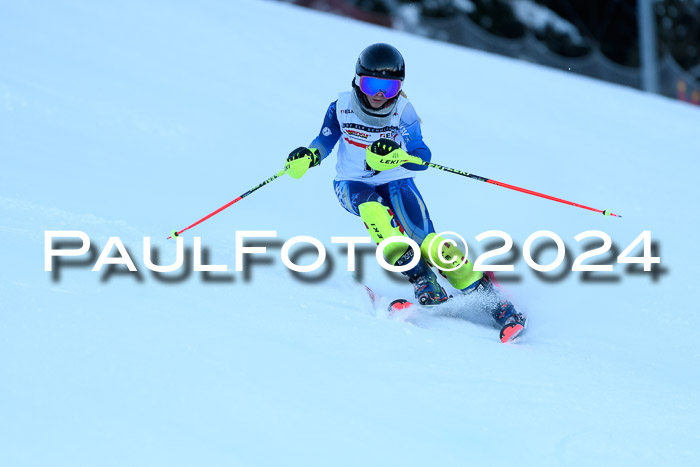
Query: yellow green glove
[(385, 154), (300, 160)]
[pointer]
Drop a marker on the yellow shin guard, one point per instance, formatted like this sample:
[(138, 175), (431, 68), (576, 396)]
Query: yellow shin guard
[(378, 220), (461, 277)]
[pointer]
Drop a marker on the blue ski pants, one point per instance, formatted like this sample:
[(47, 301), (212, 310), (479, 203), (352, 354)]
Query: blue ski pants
[(401, 196)]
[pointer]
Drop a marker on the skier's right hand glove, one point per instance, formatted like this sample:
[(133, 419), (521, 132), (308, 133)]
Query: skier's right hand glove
[(300, 160), (385, 154)]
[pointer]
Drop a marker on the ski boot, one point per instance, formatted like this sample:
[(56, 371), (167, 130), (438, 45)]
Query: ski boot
[(426, 287), (381, 224), (510, 320)]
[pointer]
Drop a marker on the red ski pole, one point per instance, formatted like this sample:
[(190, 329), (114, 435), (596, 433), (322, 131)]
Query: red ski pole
[(176, 233), (605, 212)]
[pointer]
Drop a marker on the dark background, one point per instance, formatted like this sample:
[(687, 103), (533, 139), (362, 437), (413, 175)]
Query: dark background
[(608, 26)]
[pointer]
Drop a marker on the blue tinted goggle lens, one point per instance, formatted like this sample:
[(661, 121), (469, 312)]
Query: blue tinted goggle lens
[(371, 86)]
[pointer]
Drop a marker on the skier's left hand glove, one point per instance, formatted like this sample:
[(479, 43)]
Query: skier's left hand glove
[(300, 160), (385, 154)]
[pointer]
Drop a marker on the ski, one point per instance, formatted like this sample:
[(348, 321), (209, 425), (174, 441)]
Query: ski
[(508, 333)]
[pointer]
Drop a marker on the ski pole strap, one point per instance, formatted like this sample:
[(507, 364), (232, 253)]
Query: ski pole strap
[(175, 233), (605, 212)]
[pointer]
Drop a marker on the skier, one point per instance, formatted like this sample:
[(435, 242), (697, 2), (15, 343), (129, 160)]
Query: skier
[(378, 128)]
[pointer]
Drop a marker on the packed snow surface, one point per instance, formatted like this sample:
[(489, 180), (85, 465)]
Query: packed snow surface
[(132, 119)]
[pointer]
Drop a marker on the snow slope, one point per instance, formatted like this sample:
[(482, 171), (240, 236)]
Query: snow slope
[(131, 120)]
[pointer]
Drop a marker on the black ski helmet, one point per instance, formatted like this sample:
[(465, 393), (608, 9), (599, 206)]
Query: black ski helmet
[(382, 61)]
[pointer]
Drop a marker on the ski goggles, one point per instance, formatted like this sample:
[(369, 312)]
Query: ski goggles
[(371, 86)]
